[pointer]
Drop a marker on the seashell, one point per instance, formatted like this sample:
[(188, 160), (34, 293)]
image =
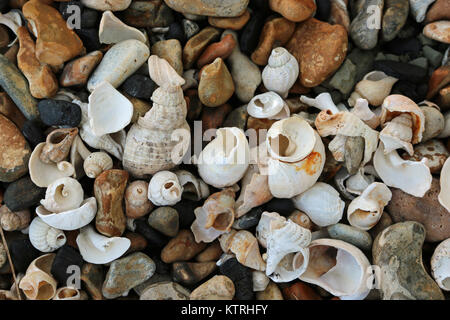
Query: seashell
[(43, 174), (281, 72), (191, 79), (321, 203), (254, 191), (108, 110), (358, 182), (263, 227), (45, 238), (164, 189), (365, 211), (322, 102), (70, 293), (113, 30), (245, 246), (419, 8), (444, 194), (78, 153), (440, 265), (412, 177), (193, 188), (374, 87), (296, 157), (136, 199), (445, 133), (398, 134), (224, 160), (98, 249), (260, 281), (58, 144), (70, 219), (215, 217), (162, 72), (38, 283), (12, 221), (339, 268), (268, 105), (63, 194), (96, 163), (160, 139), (362, 111), (13, 21)]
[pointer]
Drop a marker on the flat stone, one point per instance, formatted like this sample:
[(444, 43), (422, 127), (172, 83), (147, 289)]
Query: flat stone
[(224, 8), (148, 14), (165, 220), (234, 23), (171, 51), (103, 5), (139, 86), (59, 113), (363, 29), (394, 18), (350, 234), (294, 10), (165, 290), (344, 79), (78, 71), (195, 45), (216, 85), (181, 248), (92, 276), (439, 31), (22, 194)]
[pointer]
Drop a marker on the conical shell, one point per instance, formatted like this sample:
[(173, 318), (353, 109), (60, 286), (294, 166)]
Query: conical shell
[(57, 145), (38, 283), (96, 163), (45, 238)]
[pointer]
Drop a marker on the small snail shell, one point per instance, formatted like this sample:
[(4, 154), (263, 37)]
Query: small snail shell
[(69, 293), (57, 145), (164, 189), (268, 105), (45, 238), (96, 163), (62, 195), (12, 221), (38, 283), (137, 203)]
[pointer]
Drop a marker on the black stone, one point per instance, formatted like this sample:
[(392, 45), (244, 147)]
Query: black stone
[(323, 10), (32, 131), (66, 257), (22, 194), (401, 70), (250, 219), (22, 254), (156, 240), (241, 277), (89, 36), (260, 5), (176, 32), (3, 6), (5, 283), (407, 89), (185, 210), (161, 267), (89, 18), (283, 206), (403, 46), (59, 113), (250, 34), (139, 86)]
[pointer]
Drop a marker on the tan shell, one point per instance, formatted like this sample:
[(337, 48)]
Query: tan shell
[(217, 288), (137, 203), (12, 221), (398, 134), (162, 72), (375, 86), (96, 163), (38, 283), (69, 293), (57, 145), (62, 195)]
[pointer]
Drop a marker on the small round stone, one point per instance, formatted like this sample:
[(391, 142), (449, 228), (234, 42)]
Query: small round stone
[(350, 234), (165, 220)]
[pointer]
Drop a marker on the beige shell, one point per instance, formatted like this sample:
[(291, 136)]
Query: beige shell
[(160, 139), (268, 105), (58, 144), (70, 293), (78, 153), (398, 134), (194, 188), (217, 288), (38, 283), (365, 211), (45, 238), (96, 163), (215, 217), (301, 219), (375, 86), (440, 265), (12, 221), (13, 21), (62, 195), (362, 111), (444, 194), (260, 280), (164, 189), (264, 224), (113, 30), (322, 102), (137, 203), (162, 73), (445, 133)]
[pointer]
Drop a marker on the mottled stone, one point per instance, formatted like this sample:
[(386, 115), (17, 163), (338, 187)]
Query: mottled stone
[(171, 51), (181, 248), (59, 113), (250, 219), (224, 8), (151, 14), (363, 29), (93, 276), (104, 5), (216, 85), (394, 18), (294, 10), (9, 109), (344, 79), (165, 220), (190, 273), (165, 290), (237, 118), (350, 234), (353, 153), (78, 71), (234, 23), (22, 194), (221, 49), (195, 45), (439, 31), (216, 288), (433, 150), (190, 28)]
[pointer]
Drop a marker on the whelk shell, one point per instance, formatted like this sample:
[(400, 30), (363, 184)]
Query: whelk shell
[(45, 238), (96, 163), (375, 86), (38, 283), (164, 189), (63, 194), (137, 203)]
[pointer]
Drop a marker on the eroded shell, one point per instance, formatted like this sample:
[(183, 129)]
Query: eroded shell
[(38, 282), (164, 189), (78, 153), (362, 111), (62, 195), (137, 203), (162, 72), (322, 102), (440, 265), (96, 163), (268, 105), (113, 30), (45, 238), (444, 194), (58, 145), (69, 293), (194, 188), (375, 87)]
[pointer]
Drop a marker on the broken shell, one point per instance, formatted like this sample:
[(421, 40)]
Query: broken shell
[(281, 72), (45, 238), (412, 177), (162, 72), (96, 163), (224, 160), (12, 221), (444, 194), (338, 267), (193, 188), (78, 153), (13, 21), (419, 8), (164, 189), (71, 219), (321, 203), (63, 194), (264, 225), (358, 182), (136, 199), (98, 249), (245, 246), (260, 280), (69, 293), (268, 105), (375, 87), (365, 211), (440, 265), (398, 134), (362, 111), (58, 144), (322, 102), (113, 30), (38, 283), (215, 217)]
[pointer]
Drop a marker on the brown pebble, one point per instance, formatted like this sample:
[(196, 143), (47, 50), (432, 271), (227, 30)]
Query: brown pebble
[(216, 84), (211, 253), (443, 99), (9, 109), (93, 276), (294, 10), (181, 248), (195, 45), (300, 291), (439, 31), (221, 49), (235, 23), (195, 106), (138, 242), (272, 292), (170, 50), (212, 118), (71, 238), (78, 71), (439, 10), (189, 273), (438, 80)]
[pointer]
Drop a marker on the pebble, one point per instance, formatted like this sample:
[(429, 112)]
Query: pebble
[(195, 45), (155, 278), (93, 276), (148, 14), (216, 85), (272, 292), (250, 34), (190, 28), (221, 49), (439, 31), (300, 291), (363, 29), (241, 277), (237, 118), (350, 234), (126, 273), (195, 106), (224, 8), (398, 252), (394, 18), (213, 118), (401, 70), (165, 290), (33, 133), (294, 10), (22, 194), (419, 8), (165, 220), (171, 51), (438, 80), (90, 39), (103, 5), (66, 259), (434, 151), (339, 14), (155, 239), (234, 23), (216, 288), (404, 46), (139, 86), (59, 113), (176, 32), (190, 273), (323, 9), (434, 56), (249, 220), (283, 206), (78, 71), (181, 248), (211, 253), (22, 253), (440, 10), (138, 242), (344, 79), (384, 222), (434, 123), (9, 109), (362, 60)]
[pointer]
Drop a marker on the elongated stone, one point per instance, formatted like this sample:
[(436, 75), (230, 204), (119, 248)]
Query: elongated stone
[(214, 8)]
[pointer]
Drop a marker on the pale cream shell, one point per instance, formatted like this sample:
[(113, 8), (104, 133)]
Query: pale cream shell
[(137, 203), (78, 153), (12, 221), (38, 283), (13, 21), (444, 194), (375, 87), (194, 188), (44, 237), (322, 102), (268, 105), (113, 30), (63, 194), (162, 72), (263, 227), (69, 293), (96, 163), (362, 111), (164, 189)]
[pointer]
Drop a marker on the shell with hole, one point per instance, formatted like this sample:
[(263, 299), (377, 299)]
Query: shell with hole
[(375, 86), (281, 72), (96, 163), (440, 265), (164, 189), (63, 194), (245, 246), (339, 268), (12, 221), (113, 30), (137, 203), (215, 217), (38, 282), (98, 249), (268, 105), (365, 211), (13, 21), (296, 157), (321, 203), (158, 140), (444, 194), (194, 188), (45, 238), (224, 160), (58, 145), (412, 177)]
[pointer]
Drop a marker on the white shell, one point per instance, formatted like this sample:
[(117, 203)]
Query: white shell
[(440, 265), (322, 102), (113, 30), (45, 238), (43, 174), (398, 134), (224, 160), (78, 153), (375, 86), (63, 194), (412, 177), (419, 8), (281, 71), (260, 281), (70, 219), (98, 249), (68, 293), (365, 211), (193, 188), (96, 163), (358, 182), (13, 21), (321, 203), (444, 194), (263, 227), (362, 111), (344, 275), (162, 73), (164, 189), (268, 105)]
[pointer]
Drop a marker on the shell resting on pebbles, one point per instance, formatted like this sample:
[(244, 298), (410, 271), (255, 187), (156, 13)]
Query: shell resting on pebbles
[(268, 105), (63, 194), (38, 283), (164, 189), (45, 238), (96, 163)]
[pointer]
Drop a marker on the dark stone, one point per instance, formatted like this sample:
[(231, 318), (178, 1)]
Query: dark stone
[(283, 206), (323, 10), (241, 277), (250, 219), (185, 210), (139, 86), (407, 89), (5, 284), (89, 36), (190, 273), (250, 34), (67, 11), (22, 194), (176, 32), (155, 239), (65, 257), (3, 6), (59, 113), (89, 18), (401, 70), (261, 5), (22, 254), (161, 267), (403, 46), (32, 131), (151, 14)]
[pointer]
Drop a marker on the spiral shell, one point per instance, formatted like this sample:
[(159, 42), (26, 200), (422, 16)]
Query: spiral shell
[(137, 203), (193, 188), (45, 238), (57, 145), (375, 86), (268, 105), (164, 189), (62, 195), (12, 221), (96, 163), (38, 282)]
